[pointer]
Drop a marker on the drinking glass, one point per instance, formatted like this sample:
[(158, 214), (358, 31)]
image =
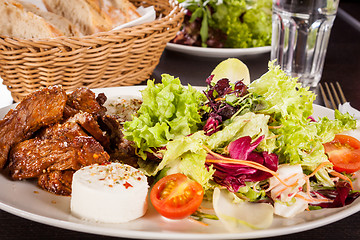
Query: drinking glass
[(300, 36)]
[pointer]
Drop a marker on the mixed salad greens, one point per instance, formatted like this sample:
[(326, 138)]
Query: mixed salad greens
[(244, 144), (226, 23)]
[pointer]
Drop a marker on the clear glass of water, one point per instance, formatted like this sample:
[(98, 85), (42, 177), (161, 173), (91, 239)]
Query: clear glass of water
[(300, 35)]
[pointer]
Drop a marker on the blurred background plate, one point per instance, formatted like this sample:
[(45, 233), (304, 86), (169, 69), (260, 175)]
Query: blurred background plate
[(217, 52)]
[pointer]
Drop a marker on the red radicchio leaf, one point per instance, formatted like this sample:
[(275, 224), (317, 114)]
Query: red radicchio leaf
[(341, 196), (234, 176), (220, 110), (240, 148)]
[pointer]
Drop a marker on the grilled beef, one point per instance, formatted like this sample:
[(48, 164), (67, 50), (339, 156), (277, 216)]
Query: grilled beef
[(84, 100), (41, 108), (81, 123), (52, 134), (33, 157), (121, 149), (58, 182)]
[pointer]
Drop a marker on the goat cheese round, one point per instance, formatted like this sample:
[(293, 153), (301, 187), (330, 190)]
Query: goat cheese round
[(111, 193)]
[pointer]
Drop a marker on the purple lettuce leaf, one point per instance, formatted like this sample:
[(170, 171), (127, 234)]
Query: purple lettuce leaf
[(220, 110), (240, 148), (341, 196), (234, 176)]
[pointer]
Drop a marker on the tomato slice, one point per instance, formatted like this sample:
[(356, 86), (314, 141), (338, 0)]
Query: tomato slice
[(344, 153), (176, 196)]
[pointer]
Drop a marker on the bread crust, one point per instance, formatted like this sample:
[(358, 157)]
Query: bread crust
[(17, 22), (81, 14), (115, 12), (21, 19), (64, 25)]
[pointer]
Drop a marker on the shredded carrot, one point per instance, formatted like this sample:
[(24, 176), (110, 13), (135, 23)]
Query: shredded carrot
[(302, 197), (343, 177), (281, 190), (274, 136), (288, 178), (194, 220), (237, 161), (307, 178), (318, 168), (311, 199), (222, 159), (206, 208), (275, 127)]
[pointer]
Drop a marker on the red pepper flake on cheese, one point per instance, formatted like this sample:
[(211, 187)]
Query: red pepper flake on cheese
[(127, 185), (119, 185)]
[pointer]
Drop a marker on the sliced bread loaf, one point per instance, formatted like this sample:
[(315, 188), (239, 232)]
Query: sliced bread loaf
[(16, 21), (63, 24), (80, 13), (115, 12)]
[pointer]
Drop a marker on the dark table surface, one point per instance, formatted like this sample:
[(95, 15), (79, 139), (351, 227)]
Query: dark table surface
[(342, 64)]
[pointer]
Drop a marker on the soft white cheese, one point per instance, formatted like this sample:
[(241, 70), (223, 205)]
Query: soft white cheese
[(111, 193)]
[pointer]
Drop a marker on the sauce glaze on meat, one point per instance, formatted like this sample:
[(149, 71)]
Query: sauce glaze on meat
[(51, 134)]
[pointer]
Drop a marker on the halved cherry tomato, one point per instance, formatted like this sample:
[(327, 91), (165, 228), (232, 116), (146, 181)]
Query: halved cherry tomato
[(344, 153), (176, 196)]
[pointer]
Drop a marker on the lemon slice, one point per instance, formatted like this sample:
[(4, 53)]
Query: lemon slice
[(232, 69)]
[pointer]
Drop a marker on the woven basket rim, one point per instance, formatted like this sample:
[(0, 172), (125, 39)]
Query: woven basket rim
[(176, 9), (114, 58)]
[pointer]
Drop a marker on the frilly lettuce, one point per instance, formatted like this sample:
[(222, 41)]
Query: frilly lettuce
[(246, 23), (249, 124), (283, 94), (169, 110), (184, 155), (299, 140)]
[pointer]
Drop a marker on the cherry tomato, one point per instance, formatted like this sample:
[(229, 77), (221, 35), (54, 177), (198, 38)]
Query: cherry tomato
[(344, 153), (176, 196)]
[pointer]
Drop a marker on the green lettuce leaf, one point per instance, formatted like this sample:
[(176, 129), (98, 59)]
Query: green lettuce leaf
[(299, 140), (184, 155), (283, 94), (328, 128), (246, 23), (169, 110), (249, 124)]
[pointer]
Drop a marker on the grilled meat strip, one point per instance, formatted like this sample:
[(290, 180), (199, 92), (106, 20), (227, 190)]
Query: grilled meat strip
[(121, 149), (82, 123), (59, 148), (58, 182), (52, 134), (40, 108), (33, 157), (84, 100)]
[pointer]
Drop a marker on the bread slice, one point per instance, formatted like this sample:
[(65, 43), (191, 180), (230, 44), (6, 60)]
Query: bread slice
[(64, 25), (127, 8), (116, 12), (16, 21), (80, 13)]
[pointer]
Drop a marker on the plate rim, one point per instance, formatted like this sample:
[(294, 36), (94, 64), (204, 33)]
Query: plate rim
[(216, 52)]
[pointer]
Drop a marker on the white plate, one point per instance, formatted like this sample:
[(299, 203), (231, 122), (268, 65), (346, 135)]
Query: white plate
[(27, 200), (217, 52), (6, 98)]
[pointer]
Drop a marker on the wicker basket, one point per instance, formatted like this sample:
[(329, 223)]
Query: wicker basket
[(115, 58)]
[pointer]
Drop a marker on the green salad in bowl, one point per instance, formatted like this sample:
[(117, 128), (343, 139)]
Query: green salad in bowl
[(226, 23)]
